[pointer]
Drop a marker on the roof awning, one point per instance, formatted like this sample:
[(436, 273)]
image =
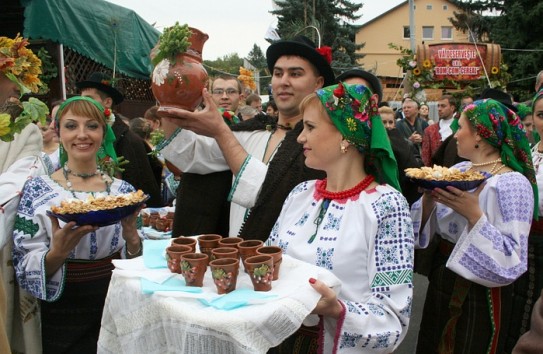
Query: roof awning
[(109, 34)]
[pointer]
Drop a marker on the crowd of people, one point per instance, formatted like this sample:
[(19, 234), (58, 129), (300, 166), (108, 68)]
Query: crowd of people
[(318, 171)]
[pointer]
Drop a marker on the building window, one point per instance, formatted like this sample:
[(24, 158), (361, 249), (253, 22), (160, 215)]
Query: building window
[(428, 7), (445, 7), (406, 32), (427, 32), (446, 32)]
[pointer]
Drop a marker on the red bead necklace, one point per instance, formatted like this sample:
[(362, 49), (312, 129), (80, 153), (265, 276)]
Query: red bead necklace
[(321, 189)]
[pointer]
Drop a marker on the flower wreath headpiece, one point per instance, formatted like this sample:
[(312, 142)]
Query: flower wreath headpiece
[(20, 64)]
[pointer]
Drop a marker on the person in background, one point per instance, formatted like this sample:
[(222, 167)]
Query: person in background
[(142, 128), (20, 160), (435, 134), (271, 109), (424, 113), (247, 112), (387, 116), (262, 153), (68, 267), (50, 149), (254, 100), (412, 126), (227, 92), (524, 112), (153, 118), (346, 224), (527, 288), (139, 170), (531, 342), (464, 101), (482, 235), (538, 81)]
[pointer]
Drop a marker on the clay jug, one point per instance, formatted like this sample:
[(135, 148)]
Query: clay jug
[(179, 82)]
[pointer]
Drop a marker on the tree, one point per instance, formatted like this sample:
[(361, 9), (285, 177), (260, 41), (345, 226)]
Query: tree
[(331, 18), (228, 64), (257, 59), (509, 23)]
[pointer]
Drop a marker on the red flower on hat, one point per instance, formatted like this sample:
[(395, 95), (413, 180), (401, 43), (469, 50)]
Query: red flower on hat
[(326, 52), (339, 91), (105, 82), (107, 112)]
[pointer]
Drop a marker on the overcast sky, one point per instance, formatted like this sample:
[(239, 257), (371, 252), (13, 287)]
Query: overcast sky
[(233, 26)]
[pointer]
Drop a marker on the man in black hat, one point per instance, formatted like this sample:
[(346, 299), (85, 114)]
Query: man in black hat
[(139, 170), (262, 153)]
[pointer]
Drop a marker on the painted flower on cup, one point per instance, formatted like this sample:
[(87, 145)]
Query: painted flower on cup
[(189, 272), (263, 274), (222, 279), (161, 72)]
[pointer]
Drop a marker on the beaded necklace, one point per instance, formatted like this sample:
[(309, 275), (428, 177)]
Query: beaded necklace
[(495, 168), (320, 187), (66, 171)]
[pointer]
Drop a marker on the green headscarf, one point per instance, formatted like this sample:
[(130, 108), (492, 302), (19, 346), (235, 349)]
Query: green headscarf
[(353, 110), (502, 129), (106, 150)]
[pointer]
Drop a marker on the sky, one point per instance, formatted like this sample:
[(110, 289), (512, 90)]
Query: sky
[(233, 26)]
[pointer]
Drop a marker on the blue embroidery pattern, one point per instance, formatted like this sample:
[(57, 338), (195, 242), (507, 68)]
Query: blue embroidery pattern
[(349, 340), (324, 258)]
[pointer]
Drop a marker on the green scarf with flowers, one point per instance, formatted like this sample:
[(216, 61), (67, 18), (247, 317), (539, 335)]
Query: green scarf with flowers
[(353, 110), (106, 151), (502, 129)]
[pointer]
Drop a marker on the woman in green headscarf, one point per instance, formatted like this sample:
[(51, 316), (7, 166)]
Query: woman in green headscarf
[(68, 266), (355, 223), (483, 235)]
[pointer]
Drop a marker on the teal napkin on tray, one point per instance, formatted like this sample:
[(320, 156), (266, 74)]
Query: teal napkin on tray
[(237, 298), (153, 253), (172, 284)]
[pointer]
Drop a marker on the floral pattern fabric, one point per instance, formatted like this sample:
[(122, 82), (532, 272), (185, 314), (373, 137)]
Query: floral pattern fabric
[(367, 242), (32, 236)]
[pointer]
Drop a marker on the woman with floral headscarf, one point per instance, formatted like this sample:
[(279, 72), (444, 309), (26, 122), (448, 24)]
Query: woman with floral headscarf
[(483, 235), (354, 223), (67, 266)]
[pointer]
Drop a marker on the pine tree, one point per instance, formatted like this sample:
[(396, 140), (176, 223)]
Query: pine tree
[(257, 59), (331, 18)]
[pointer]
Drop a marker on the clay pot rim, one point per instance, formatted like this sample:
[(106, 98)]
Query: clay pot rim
[(247, 242), (194, 256), (276, 248), (210, 237), (171, 248), (258, 259), (224, 261)]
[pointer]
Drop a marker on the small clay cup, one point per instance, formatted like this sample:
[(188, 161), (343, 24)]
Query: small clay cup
[(260, 270), (224, 272), (193, 268), (230, 241), (163, 224), (224, 252), (208, 242), (248, 248), (277, 254), (185, 241), (152, 220), (173, 256)]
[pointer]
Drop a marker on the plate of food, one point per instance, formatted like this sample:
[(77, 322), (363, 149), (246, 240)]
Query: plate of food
[(442, 177), (100, 210)]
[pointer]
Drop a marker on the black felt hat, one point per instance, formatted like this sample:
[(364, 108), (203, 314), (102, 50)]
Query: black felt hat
[(303, 47), (500, 96), (102, 82), (373, 81)]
